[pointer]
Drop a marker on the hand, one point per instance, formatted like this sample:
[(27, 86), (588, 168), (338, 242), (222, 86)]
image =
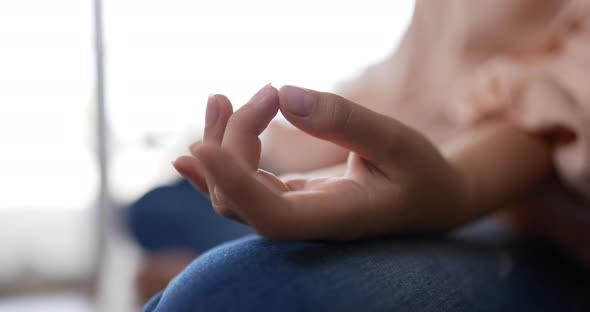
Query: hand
[(395, 180)]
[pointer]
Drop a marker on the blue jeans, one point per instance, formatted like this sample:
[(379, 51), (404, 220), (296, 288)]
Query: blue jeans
[(179, 217), (477, 269)]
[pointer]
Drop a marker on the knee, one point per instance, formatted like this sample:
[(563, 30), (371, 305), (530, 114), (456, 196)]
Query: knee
[(254, 274), (249, 274)]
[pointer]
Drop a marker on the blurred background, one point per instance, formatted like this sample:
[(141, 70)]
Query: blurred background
[(67, 171)]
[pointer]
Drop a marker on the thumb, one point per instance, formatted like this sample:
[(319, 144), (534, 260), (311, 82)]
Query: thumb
[(330, 117)]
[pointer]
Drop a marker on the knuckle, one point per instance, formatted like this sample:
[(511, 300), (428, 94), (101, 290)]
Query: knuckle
[(234, 120), (339, 112), (223, 211), (193, 147), (402, 142), (228, 213), (220, 204), (241, 121)]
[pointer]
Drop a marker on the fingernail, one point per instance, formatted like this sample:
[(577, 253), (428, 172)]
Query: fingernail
[(261, 94), (299, 101), (212, 112)]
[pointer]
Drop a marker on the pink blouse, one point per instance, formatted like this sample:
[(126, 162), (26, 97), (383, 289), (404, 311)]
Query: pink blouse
[(545, 90)]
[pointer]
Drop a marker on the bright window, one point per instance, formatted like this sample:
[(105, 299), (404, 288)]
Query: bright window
[(163, 57), (48, 172), (166, 56)]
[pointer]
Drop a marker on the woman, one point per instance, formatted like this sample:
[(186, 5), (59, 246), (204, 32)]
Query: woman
[(490, 106)]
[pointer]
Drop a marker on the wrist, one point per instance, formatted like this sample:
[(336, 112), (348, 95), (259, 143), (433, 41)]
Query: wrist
[(497, 165)]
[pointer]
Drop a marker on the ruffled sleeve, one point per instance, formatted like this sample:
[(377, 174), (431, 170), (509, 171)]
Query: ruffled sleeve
[(546, 92)]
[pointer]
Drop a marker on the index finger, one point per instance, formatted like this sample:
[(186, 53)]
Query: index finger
[(247, 123)]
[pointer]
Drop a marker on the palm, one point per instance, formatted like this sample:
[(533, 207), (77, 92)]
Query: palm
[(338, 198), (337, 182)]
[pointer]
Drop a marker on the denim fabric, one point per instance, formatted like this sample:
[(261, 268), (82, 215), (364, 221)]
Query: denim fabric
[(478, 269), (465, 272), (178, 216)]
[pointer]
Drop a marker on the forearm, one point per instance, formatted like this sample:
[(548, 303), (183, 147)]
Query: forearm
[(499, 165)]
